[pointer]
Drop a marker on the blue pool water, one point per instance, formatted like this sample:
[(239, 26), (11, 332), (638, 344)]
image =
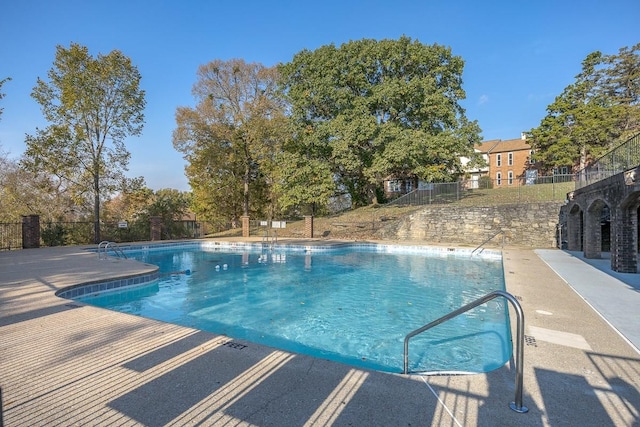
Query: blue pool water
[(349, 305)]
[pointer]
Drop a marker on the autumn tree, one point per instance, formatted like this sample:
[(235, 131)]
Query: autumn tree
[(370, 109), (93, 105), (2, 82), (593, 114), (231, 138)]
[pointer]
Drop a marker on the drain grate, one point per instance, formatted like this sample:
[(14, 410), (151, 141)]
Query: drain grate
[(530, 340), (232, 344)]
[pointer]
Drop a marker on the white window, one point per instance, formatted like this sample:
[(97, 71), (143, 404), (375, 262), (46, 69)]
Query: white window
[(499, 178), (395, 186), (408, 185), (510, 177), (498, 159), (510, 159)]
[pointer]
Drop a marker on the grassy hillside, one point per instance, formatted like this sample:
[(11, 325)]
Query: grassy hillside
[(364, 223)]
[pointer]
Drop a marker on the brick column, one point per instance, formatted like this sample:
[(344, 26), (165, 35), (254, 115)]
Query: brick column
[(156, 228), (245, 226), (308, 226), (30, 231), (624, 256), (592, 234), (574, 229)]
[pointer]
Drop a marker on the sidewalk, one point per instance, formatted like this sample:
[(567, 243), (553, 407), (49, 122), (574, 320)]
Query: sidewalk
[(63, 363), (616, 296)]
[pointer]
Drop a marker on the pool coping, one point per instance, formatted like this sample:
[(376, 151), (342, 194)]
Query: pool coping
[(55, 346)]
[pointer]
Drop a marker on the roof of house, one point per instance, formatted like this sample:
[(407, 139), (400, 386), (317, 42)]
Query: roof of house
[(500, 146)]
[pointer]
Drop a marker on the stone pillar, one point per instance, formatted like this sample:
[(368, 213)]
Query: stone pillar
[(30, 231), (308, 226), (156, 228), (245, 226)]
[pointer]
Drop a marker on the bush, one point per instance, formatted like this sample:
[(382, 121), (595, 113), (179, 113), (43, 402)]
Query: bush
[(53, 235)]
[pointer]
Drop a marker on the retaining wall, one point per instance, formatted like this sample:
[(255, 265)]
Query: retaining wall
[(530, 225)]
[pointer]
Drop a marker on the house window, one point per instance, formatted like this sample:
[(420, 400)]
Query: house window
[(408, 186), (499, 178), (498, 159), (510, 159), (395, 186), (510, 177), (564, 170)]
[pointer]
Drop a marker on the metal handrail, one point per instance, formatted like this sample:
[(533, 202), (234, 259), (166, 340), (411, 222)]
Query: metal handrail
[(270, 240), (488, 240), (516, 405), (110, 245), (100, 248)]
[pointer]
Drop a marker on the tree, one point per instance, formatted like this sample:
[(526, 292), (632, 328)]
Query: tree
[(231, 138), (377, 108), (2, 82), (93, 105), (593, 114), (26, 193)]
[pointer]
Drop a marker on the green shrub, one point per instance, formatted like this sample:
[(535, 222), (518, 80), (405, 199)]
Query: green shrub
[(53, 235)]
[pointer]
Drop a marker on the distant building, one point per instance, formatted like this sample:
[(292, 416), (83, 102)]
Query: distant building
[(508, 161)]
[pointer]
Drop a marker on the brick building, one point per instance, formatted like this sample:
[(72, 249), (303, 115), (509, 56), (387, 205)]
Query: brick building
[(508, 160)]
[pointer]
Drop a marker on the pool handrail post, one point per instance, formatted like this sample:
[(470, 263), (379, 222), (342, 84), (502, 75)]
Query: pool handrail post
[(516, 405)]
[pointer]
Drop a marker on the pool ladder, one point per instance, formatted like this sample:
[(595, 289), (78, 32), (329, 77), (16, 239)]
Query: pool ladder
[(516, 405), (105, 245), (481, 245), (268, 240)]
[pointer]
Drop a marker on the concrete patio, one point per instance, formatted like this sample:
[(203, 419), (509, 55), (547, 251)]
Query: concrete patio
[(63, 363)]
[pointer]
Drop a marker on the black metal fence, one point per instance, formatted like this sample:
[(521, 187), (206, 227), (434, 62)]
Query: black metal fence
[(82, 233), (495, 191), (621, 158), (10, 236)]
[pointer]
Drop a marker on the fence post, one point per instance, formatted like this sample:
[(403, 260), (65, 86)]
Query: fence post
[(245, 226), (308, 226), (156, 228), (30, 231)]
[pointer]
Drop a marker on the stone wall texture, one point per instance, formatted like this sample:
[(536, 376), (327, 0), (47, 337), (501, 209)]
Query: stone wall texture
[(531, 225)]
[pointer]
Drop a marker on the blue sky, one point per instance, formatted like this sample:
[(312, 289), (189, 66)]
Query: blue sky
[(518, 55)]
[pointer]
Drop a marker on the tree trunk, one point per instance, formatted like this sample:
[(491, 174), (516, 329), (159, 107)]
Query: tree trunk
[(96, 205)]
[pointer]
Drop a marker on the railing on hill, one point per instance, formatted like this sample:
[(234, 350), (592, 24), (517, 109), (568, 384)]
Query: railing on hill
[(492, 191), (621, 158)]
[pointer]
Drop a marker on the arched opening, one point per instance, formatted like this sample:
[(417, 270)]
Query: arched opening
[(626, 241), (605, 229), (598, 221)]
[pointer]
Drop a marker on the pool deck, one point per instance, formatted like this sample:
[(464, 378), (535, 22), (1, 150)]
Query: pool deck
[(63, 363)]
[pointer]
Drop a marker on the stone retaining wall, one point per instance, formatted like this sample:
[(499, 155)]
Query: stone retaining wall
[(531, 225)]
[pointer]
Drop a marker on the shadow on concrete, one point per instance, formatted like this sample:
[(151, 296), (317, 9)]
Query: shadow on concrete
[(270, 388), (37, 313)]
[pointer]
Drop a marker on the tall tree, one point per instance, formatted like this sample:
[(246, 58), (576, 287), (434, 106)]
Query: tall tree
[(378, 108), (93, 105), (231, 137), (2, 82), (593, 114)]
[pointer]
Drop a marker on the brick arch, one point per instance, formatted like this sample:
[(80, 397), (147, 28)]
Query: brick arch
[(625, 233), (593, 228)]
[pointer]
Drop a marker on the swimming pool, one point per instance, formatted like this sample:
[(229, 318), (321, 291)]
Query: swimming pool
[(352, 304)]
